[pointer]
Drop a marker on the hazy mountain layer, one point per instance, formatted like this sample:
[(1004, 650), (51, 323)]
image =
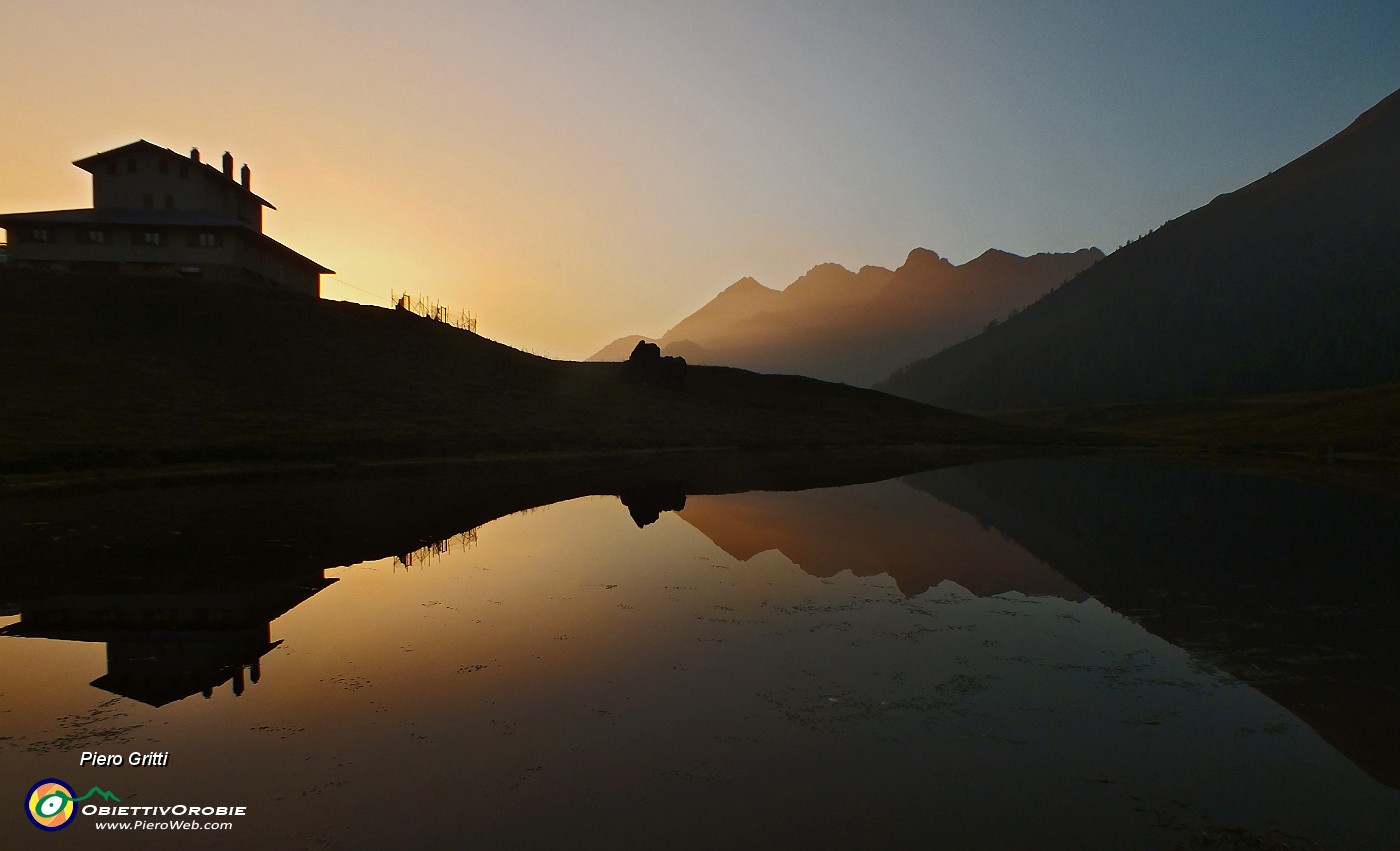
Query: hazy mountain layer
[(1291, 283), (856, 327)]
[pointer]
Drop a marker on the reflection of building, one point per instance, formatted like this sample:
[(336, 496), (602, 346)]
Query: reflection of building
[(165, 646), (157, 212)]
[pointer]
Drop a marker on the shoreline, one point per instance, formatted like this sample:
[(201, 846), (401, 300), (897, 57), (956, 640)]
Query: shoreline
[(1377, 473), (98, 480)]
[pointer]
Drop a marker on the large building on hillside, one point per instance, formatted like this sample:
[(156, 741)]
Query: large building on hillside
[(158, 212)]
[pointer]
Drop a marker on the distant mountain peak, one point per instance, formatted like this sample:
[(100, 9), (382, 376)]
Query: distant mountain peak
[(923, 255), (924, 261), (746, 284), (824, 280)]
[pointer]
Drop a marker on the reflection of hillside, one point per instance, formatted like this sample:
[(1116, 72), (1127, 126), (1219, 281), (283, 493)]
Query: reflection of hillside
[(163, 646), (1289, 587), (261, 529), (870, 530), (181, 582)]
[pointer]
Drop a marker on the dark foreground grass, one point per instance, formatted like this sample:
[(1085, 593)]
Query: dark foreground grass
[(1357, 421), (143, 374), (1349, 436)]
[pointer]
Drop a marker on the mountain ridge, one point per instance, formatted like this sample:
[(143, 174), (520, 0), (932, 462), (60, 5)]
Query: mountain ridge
[(856, 327)]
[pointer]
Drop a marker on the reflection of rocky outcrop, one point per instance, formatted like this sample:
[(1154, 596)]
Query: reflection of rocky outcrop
[(646, 504), (1290, 587), (163, 646), (874, 529)]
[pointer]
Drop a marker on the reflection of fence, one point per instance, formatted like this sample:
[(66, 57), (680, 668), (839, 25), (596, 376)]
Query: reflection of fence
[(424, 556), (432, 309)]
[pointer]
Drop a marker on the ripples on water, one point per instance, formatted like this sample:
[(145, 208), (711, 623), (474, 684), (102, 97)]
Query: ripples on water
[(922, 662)]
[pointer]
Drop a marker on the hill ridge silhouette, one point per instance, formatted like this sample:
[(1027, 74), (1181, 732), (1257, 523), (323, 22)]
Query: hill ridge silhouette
[(125, 372)]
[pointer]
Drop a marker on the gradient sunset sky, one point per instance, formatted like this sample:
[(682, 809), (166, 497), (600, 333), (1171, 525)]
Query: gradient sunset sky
[(573, 172)]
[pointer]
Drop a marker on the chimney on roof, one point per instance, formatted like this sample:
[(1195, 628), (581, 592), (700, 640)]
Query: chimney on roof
[(228, 165), (247, 175), (194, 154)]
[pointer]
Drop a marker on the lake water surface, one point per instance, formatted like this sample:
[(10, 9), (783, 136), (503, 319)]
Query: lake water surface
[(1023, 654)]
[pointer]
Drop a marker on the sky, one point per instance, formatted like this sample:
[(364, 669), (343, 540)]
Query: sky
[(571, 172)]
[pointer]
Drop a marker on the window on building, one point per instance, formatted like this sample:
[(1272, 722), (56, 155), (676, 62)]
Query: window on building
[(151, 237), (165, 166), (170, 202), (95, 236), (209, 240), (131, 165), (111, 166), (184, 170), (148, 201), (39, 235)]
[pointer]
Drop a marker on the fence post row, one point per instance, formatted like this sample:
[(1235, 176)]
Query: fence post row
[(435, 310)]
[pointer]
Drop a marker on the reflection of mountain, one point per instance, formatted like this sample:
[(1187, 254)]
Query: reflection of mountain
[(857, 327), (870, 530), (163, 646), (1289, 587)]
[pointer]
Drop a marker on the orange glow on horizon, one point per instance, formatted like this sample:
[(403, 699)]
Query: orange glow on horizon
[(573, 174)]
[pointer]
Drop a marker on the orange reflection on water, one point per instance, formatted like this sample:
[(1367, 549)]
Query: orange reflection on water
[(874, 529), (564, 673)]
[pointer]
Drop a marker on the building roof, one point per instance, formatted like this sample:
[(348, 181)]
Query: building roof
[(88, 215), (156, 218), (91, 164), (274, 245)]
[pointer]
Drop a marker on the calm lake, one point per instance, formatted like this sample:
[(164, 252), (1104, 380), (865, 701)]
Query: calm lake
[(1037, 654)]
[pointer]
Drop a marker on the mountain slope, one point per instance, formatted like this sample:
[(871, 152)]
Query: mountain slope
[(856, 327), (1290, 283)]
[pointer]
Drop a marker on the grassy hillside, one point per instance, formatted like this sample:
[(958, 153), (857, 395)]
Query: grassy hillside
[(106, 372), (1291, 283), (1357, 422)]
